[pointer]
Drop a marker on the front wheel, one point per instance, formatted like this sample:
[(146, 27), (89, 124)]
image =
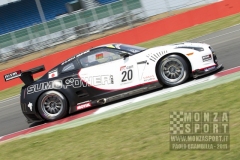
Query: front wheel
[(173, 70), (52, 105)]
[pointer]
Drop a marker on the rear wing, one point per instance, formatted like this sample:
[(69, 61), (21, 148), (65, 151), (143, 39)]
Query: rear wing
[(25, 76)]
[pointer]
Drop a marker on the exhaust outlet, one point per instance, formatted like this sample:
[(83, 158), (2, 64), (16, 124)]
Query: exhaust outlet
[(102, 101)]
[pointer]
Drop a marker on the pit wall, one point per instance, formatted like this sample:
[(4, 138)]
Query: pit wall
[(133, 36)]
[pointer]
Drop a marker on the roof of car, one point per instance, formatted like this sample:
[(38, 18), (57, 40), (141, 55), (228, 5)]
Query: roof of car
[(110, 45)]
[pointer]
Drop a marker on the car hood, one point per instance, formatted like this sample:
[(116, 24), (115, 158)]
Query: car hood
[(188, 44), (181, 45)]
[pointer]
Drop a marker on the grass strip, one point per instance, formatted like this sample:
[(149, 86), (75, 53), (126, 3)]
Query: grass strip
[(140, 134), (10, 92), (178, 36)]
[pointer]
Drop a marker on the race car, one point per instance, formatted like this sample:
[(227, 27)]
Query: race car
[(108, 73)]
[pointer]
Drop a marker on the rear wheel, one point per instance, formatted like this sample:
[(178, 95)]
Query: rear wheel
[(173, 70), (52, 105)]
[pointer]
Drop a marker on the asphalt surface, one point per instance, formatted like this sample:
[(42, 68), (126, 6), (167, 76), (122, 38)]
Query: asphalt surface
[(226, 44)]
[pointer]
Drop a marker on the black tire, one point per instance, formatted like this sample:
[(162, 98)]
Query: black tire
[(172, 70), (52, 106)]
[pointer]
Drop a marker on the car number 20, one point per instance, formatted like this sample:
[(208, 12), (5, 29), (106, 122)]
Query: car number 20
[(127, 75)]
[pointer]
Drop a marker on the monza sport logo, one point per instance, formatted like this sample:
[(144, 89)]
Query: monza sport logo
[(199, 130)]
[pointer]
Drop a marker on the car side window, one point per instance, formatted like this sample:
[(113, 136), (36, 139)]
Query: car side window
[(99, 56), (68, 67)]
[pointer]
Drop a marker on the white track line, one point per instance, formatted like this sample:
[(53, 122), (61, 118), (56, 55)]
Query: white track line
[(106, 108), (9, 99), (215, 32), (220, 35), (5, 106), (147, 96), (225, 41)]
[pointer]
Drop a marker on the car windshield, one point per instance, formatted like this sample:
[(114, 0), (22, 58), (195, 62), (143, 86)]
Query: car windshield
[(130, 48)]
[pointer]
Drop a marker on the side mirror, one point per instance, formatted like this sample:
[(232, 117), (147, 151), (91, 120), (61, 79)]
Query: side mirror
[(124, 54)]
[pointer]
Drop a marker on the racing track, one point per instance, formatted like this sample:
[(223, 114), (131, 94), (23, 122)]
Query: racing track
[(225, 43)]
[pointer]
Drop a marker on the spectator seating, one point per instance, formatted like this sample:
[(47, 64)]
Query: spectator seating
[(70, 21)]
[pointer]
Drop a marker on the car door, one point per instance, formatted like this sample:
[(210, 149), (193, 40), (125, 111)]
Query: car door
[(106, 69), (126, 72)]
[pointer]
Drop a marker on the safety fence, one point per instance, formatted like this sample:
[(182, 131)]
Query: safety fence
[(76, 25), (83, 23)]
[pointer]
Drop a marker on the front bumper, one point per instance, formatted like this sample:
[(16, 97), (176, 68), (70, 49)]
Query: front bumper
[(205, 71), (209, 69)]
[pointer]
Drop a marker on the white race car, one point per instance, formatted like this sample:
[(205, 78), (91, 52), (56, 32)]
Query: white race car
[(108, 73), (169, 65)]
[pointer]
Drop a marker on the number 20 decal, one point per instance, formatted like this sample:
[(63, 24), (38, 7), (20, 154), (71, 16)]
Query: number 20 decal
[(127, 75)]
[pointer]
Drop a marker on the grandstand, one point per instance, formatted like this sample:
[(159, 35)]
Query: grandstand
[(24, 13), (31, 25), (24, 31)]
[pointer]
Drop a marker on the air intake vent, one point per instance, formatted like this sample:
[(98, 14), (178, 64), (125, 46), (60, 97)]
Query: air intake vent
[(82, 94), (24, 107)]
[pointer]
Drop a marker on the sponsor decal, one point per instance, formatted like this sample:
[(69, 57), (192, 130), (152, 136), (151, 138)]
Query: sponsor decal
[(98, 80), (129, 67), (53, 73), (57, 84), (88, 81), (148, 78), (126, 67), (199, 130), (71, 82), (111, 78), (207, 58), (74, 82), (81, 106), (30, 106), (210, 68), (12, 75), (122, 68), (99, 56)]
